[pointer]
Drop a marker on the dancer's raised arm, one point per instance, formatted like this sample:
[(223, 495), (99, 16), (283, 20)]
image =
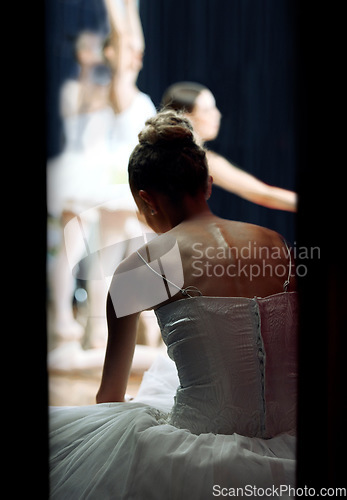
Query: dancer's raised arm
[(124, 52)]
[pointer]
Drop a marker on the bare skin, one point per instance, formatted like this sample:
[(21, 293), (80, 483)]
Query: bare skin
[(205, 118), (124, 54), (199, 235), (84, 95)]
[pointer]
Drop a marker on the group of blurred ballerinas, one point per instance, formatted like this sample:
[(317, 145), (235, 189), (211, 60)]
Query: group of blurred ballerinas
[(103, 112)]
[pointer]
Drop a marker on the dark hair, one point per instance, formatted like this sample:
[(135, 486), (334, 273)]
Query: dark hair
[(167, 159), (181, 96), (83, 41)]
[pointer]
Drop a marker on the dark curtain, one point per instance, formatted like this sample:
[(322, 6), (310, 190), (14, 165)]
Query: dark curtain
[(243, 50)]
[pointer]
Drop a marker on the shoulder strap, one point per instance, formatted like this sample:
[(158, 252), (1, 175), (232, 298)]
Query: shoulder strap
[(185, 291)]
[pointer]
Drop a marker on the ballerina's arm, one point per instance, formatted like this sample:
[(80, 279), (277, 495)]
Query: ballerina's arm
[(119, 355), (134, 24), (249, 187), (127, 40)]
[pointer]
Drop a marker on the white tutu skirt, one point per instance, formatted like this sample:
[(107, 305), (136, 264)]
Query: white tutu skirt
[(130, 451), (81, 181)]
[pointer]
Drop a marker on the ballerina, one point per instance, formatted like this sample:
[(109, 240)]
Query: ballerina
[(199, 105), (87, 183), (219, 413)]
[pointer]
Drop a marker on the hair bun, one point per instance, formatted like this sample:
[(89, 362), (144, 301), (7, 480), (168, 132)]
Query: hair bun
[(167, 159), (167, 129)]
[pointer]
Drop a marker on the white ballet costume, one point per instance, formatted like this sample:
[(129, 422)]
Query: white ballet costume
[(216, 417), (92, 169), (90, 175)]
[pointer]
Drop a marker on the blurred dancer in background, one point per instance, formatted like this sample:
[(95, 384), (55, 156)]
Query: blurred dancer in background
[(75, 177), (103, 112), (199, 105)]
